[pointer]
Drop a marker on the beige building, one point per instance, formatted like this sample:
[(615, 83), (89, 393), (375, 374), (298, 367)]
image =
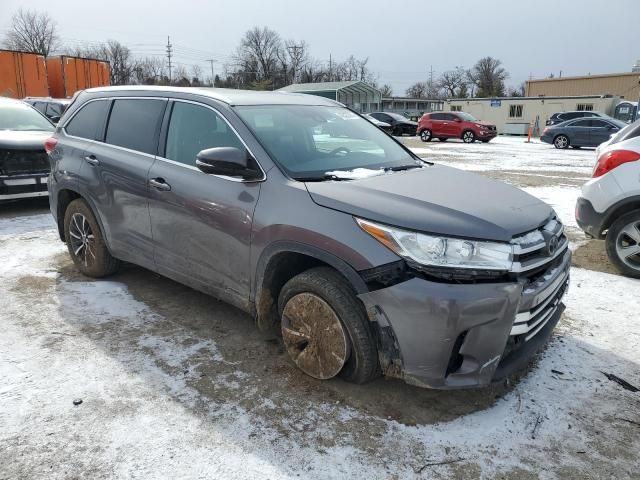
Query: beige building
[(512, 115), (625, 85)]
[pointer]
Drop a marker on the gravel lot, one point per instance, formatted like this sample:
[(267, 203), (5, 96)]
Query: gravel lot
[(177, 385)]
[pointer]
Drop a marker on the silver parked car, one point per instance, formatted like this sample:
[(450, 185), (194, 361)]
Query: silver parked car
[(308, 217)]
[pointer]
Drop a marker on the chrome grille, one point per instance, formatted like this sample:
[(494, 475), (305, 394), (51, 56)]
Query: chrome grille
[(533, 250)]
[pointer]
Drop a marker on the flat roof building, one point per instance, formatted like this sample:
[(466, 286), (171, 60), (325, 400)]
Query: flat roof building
[(625, 85)]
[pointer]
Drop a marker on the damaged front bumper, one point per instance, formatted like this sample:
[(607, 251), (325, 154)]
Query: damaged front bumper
[(452, 335)]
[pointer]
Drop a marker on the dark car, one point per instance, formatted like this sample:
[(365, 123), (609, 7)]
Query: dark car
[(24, 165), (445, 125), (400, 125), (52, 108), (583, 132), (381, 125), (560, 117), (308, 217)]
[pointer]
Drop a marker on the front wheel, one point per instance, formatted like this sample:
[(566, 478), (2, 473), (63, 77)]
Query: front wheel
[(468, 136), (325, 328), (623, 244), (425, 135), (561, 142), (85, 241)]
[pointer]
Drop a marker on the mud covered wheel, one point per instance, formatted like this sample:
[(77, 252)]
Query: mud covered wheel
[(325, 329), (85, 241), (623, 244)]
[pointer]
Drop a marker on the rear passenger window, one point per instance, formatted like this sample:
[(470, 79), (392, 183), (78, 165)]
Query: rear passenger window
[(54, 110), (193, 128), (581, 123), (437, 116), (89, 119), (134, 123)]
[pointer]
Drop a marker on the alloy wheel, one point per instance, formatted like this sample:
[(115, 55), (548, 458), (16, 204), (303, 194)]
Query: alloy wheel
[(561, 142), (628, 245), (314, 336), (468, 137), (82, 239), (425, 135)]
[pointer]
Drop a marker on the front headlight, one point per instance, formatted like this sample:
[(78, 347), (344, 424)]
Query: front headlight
[(437, 251)]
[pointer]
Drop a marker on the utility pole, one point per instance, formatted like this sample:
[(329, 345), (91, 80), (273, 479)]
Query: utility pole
[(430, 86), (295, 58), (169, 52), (213, 79), (330, 69)]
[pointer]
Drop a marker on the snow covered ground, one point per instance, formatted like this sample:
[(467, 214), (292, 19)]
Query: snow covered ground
[(169, 389)]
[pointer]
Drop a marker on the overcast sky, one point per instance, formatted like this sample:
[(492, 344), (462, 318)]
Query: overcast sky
[(401, 38)]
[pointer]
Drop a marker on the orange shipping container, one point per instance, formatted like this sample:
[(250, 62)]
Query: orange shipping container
[(67, 75), (22, 74)]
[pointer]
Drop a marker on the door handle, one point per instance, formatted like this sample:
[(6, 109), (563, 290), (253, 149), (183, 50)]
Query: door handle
[(160, 184), (92, 160)]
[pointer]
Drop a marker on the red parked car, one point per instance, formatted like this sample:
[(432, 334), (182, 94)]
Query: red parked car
[(445, 125)]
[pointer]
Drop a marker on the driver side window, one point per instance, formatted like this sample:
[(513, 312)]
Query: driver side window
[(193, 128)]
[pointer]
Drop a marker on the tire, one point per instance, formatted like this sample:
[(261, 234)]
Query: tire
[(468, 136), (326, 292), (623, 244), (85, 241), (426, 135), (561, 142), (443, 139)]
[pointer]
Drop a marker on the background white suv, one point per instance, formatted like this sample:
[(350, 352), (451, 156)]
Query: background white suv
[(609, 207)]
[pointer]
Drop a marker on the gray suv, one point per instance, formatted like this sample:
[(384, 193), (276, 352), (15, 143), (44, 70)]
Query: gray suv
[(366, 258)]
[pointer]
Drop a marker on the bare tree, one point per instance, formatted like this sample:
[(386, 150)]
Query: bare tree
[(488, 76), (386, 90), (150, 71), (452, 80), (32, 31), (417, 90), (196, 74), (259, 49), (518, 91)]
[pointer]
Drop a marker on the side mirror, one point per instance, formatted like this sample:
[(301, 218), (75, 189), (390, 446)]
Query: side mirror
[(227, 161)]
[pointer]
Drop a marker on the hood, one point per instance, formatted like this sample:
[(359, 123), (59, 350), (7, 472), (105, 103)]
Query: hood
[(482, 122), (437, 199), (27, 140)]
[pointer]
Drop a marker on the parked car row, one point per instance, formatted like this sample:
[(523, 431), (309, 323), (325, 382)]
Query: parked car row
[(581, 132)]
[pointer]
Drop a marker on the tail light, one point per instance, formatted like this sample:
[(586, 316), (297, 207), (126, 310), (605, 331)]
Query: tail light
[(610, 160), (50, 144), (545, 130)]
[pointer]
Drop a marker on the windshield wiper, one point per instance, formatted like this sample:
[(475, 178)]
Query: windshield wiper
[(320, 178), (402, 167)]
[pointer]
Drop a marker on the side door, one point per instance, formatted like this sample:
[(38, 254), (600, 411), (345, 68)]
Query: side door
[(601, 131), (201, 223), (578, 132), (86, 125), (437, 123), (115, 174), (452, 125)]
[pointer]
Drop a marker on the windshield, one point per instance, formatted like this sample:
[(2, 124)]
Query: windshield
[(313, 142), (467, 116), (23, 117)]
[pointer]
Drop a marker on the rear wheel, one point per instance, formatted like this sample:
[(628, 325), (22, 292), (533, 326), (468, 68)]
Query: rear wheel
[(561, 142), (325, 328), (468, 136), (85, 241), (623, 244), (425, 135)]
